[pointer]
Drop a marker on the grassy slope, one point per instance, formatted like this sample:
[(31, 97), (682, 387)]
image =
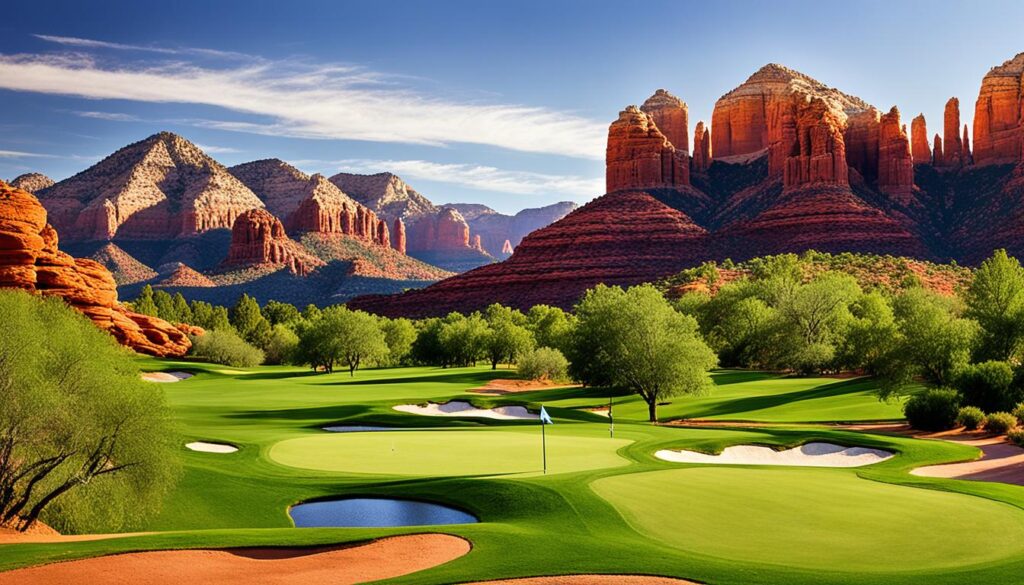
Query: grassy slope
[(241, 499)]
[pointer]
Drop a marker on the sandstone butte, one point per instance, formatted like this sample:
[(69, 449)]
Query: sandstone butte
[(160, 188), (672, 116), (30, 260), (259, 238), (307, 203), (31, 182), (796, 165)]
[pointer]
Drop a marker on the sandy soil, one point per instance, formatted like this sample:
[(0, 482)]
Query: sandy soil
[(462, 408), (42, 533), (380, 559), (165, 376), (501, 386), (807, 455), (590, 580), (205, 447)]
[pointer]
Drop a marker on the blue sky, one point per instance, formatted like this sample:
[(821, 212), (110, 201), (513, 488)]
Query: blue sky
[(503, 103)]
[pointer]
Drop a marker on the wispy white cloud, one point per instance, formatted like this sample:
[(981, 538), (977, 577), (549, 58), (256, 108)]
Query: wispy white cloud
[(95, 44), (211, 149), (20, 154), (484, 178), (111, 116), (311, 101)]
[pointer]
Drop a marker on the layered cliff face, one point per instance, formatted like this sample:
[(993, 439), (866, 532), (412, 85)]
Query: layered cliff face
[(952, 143), (496, 229), (31, 182), (30, 260), (639, 156), (672, 116), (386, 194), (163, 187), (307, 203), (555, 264), (999, 115), (259, 238), (701, 148)]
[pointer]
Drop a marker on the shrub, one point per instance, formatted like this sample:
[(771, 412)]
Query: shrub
[(282, 345), (543, 363), (934, 409), (1016, 436), (227, 348), (988, 385), (1018, 411), (970, 417), (1000, 422)]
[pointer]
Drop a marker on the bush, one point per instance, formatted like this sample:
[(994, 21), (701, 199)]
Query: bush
[(1016, 436), (988, 385), (1000, 422), (935, 409), (543, 363), (1018, 411), (970, 417), (227, 348), (282, 345)]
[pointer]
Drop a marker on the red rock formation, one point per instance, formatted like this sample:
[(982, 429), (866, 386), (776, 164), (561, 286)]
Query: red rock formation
[(861, 138), (383, 237), (701, 148), (31, 182), (968, 155), (999, 115), (398, 236), (478, 243), (259, 238), (160, 188), (506, 248), (895, 163), (952, 146), (30, 260), (937, 158), (919, 148), (621, 238), (640, 157), (813, 136), (447, 230), (496, 228), (672, 116)]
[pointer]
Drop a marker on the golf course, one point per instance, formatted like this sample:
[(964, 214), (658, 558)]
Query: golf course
[(606, 504)]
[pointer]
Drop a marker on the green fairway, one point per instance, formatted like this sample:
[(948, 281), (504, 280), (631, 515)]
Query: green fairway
[(606, 505), (447, 453), (814, 519)]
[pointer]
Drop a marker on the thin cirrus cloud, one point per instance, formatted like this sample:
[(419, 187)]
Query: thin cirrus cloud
[(296, 99), (95, 44), (110, 116), (20, 154), (475, 176)]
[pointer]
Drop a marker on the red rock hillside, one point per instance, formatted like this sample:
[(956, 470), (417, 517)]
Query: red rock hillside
[(793, 165), (30, 260), (258, 238)]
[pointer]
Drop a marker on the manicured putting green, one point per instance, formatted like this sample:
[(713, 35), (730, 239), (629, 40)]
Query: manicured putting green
[(447, 452), (814, 519)]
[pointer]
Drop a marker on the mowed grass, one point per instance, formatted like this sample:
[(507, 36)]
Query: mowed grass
[(448, 452), (814, 519), (607, 506)]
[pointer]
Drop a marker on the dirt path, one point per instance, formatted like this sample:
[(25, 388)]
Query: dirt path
[(380, 559), (502, 386), (590, 580)]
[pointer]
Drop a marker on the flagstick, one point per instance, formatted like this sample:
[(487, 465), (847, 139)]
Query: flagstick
[(611, 420), (544, 445)]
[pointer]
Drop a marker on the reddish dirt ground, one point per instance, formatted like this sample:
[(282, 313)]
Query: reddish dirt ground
[(500, 386), (380, 559)]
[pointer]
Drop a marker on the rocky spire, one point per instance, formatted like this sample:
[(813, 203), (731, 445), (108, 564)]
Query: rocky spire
[(919, 148), (812, 132), (701, 148), (640, 157), (952, 146), (895, 164), (671, 115), (506, 248), (968, 157), (398, 236), (937, 159)]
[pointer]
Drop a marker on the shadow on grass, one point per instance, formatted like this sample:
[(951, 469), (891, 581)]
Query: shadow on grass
[(752, 403), (453, 377)]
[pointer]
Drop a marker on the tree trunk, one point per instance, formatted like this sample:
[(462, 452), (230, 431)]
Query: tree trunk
[(494, 364), (652, 410)]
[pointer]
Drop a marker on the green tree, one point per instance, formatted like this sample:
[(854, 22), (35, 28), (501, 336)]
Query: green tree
[(506, 337), (280, 313), (989, 386), (282, 345), (182, 310), (635, 340), (399, 335), (872, 333), (144, 302), (813, 319), (427, 348), (340, 335), (995, 300), (165, 306), (543, 364), (224, 346), (462, 338), (84, 443), (248, 321), (550, 326)]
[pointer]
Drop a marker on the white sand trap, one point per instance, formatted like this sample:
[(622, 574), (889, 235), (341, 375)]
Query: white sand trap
[(165, 376), (462, 408), (807, 455), (211, 447)]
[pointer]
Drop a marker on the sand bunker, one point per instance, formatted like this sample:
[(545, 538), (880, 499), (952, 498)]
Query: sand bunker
[(500, 386), (166, 376), (807, 455), (205, 447), (462, 408), (380, 559), (590, 580), (1000, 461)]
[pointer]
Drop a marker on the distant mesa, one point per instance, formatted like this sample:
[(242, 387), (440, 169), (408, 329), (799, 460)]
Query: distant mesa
[(259, 238), (788, 164)]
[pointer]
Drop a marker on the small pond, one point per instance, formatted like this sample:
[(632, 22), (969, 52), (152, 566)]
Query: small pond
[(375, 512)]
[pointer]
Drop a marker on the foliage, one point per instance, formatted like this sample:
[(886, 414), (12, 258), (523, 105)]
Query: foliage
[(1016, 436), (282, 345), (83, 441), (1000, 422), (550, 326), (970, 417), (209, 317), (1018, 411), (144, 302), (507, 338), (935, 409), (249, 322), (995, 300), (224, 346), (278, 313), (543, 363), (340, 335), (462, 339), (989, 386), (399, 335), (635, 340)]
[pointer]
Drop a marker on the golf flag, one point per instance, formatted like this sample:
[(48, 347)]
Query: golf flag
[(545, 418)]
